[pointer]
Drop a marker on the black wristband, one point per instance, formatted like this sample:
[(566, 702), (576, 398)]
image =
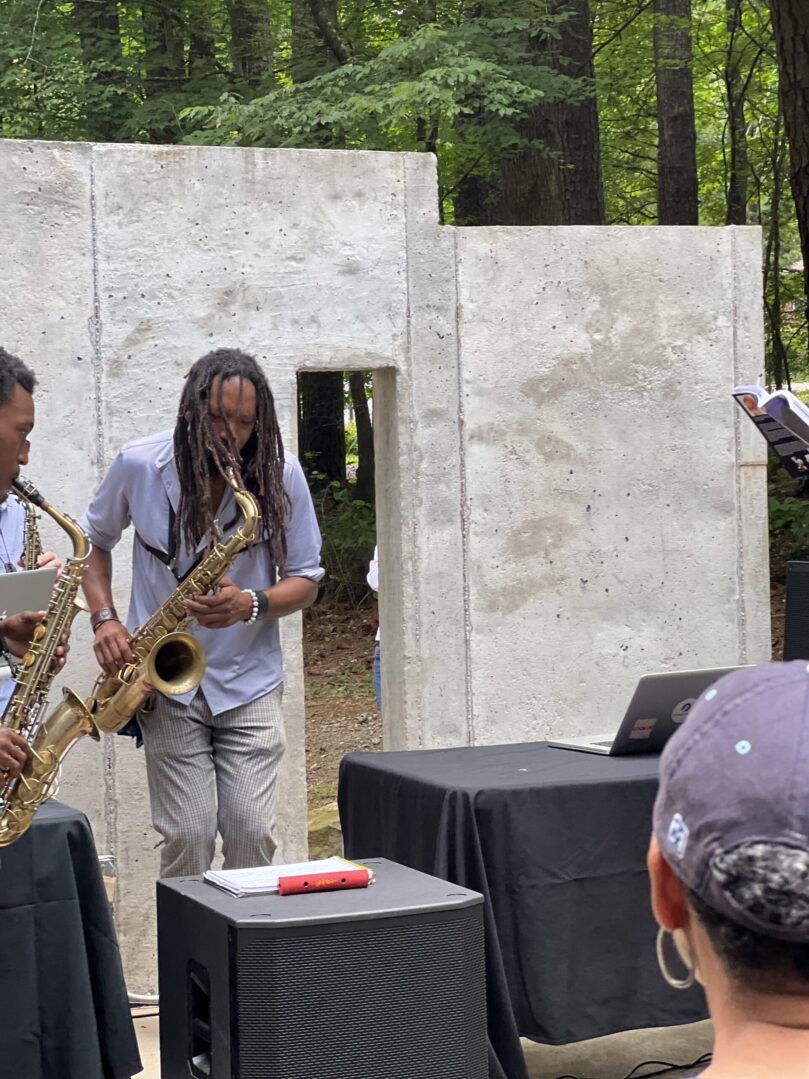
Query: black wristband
[(263, 604)]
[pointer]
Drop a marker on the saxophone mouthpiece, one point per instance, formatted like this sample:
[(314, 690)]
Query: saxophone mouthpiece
[(28, 491)]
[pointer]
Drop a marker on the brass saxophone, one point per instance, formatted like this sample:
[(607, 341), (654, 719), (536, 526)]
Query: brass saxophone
[(49, 739), (166, 658), (32, 545)]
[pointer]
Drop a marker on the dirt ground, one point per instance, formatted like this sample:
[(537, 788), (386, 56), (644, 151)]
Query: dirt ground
[(777, 600), (341, 715), (340, 711)]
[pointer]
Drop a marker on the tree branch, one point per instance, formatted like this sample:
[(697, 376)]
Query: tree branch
[(328, 31), (639, 10)]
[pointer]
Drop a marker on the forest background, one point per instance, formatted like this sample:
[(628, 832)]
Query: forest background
[(553, 112)]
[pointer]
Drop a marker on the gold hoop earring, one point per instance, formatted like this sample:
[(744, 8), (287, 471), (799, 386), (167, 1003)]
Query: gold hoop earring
[(675, 983)]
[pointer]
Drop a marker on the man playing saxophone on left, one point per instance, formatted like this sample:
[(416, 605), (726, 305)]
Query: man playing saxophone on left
[(17, 384)]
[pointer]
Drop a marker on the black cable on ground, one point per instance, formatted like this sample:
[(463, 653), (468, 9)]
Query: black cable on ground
[(700, 1062), (666, 1067)]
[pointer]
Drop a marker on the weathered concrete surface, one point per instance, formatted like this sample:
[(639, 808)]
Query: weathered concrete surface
[(607, 533), (503, 359)]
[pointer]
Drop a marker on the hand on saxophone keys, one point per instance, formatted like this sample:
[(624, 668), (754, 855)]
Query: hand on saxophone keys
[(47, 560), (111, 646), (19, 633), (14, 752), (224, 607)]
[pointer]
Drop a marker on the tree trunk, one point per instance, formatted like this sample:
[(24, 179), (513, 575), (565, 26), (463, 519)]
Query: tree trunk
[(473, 201), (163, 60), (735, 90), (778, 359), (251, 51), (677, 185), (791, 25), (201, 42), (321, 426), (561, 185), (364, 487), (311, 55), (100, 37)]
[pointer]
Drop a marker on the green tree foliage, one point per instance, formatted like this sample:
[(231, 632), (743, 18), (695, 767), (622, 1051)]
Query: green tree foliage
[(458, 88), (735, 74)]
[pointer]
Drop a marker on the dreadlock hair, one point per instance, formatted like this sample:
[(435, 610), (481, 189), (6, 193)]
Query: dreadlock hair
[(196, 442), (12, 373)]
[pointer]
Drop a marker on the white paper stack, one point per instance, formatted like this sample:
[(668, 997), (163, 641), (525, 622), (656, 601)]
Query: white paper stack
[(263, 880)]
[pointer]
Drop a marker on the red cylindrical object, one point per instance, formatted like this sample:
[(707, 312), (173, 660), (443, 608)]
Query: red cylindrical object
[(324, 882)]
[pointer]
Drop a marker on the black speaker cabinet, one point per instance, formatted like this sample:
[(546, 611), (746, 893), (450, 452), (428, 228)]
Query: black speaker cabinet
[(384, 982), (796, 617)]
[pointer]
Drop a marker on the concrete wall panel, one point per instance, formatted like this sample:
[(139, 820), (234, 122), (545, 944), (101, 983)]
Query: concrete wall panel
[(605, 538)]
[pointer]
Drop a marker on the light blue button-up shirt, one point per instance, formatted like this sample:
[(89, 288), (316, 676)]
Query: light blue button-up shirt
[(244, 662), (12, 542)]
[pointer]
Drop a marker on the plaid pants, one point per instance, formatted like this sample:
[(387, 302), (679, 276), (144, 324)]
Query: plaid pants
[(213, 773)]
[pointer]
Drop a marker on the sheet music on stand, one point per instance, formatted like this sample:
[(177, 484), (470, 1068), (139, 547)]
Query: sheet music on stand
[(323, 874)]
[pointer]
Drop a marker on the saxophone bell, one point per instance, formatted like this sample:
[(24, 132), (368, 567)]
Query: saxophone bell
[(176, 664)]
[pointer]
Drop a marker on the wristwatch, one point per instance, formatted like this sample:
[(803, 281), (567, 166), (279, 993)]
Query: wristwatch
[(104, 614)]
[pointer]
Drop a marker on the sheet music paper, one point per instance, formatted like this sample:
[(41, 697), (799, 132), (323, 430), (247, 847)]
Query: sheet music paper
[(264, 879)]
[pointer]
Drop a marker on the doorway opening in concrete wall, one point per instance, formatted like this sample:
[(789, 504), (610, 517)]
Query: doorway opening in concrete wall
[(336, 435)]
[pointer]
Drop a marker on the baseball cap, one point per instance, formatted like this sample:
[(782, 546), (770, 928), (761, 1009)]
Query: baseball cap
[(734, 791)]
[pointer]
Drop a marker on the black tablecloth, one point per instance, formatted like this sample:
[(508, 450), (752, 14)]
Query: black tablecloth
[(556, 842), (63, 1006)]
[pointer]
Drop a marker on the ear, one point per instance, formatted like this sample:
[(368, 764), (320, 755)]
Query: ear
[(668, 896)]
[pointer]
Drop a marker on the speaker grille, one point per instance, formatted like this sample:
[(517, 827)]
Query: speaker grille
[(401, 1001), (796, 618)]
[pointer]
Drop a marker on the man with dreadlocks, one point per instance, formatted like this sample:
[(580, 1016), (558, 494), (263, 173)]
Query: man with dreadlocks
[(212, 754)]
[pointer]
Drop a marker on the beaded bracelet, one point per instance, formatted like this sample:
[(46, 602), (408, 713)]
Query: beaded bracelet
[(254, 612)]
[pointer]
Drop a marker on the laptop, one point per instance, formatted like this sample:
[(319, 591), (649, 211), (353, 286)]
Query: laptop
[(26, 590), (659, 705)]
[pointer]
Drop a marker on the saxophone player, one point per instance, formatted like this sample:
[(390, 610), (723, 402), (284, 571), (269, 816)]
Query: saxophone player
[(17, 384), (212, 754)]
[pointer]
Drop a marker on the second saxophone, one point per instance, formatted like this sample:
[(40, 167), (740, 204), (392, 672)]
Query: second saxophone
[(49, 739), (165, 657)]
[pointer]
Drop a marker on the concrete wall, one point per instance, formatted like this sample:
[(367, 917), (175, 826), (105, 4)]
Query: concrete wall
[(608, 529), (566, 497)]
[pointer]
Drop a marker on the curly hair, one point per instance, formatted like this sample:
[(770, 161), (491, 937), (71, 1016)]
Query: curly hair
[(196, 444), (13, 372), (770, 880)]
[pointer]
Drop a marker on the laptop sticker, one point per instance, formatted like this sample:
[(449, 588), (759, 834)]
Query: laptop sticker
[(681, 710), (642, 728)]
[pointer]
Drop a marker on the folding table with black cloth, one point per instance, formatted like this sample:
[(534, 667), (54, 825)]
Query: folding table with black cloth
[(556, 842), (65, 1013)]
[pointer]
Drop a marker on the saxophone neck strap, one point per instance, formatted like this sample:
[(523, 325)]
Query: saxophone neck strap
[(169, 556)]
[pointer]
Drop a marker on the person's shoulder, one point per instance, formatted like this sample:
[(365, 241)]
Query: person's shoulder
[(14, 507), (149, 449)]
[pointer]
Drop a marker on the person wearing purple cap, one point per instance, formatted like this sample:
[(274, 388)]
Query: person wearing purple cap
[(729, 867)]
